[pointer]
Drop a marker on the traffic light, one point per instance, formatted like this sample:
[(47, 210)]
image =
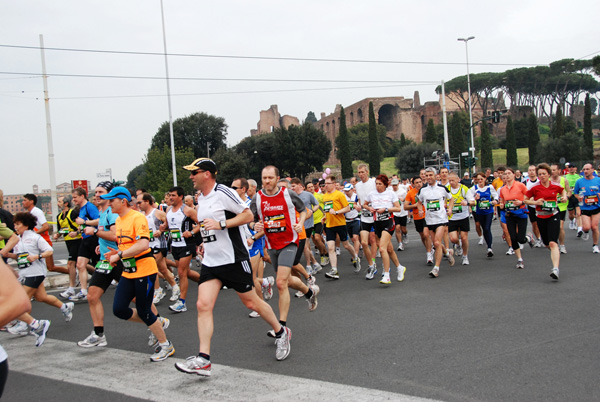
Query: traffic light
[(466, 162), (474, 161), (496, 117)]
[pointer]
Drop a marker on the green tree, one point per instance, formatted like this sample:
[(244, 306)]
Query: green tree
[(259, 150), (511, 144), (195, 132), (343, 143), (430, 133), (310, 118), (558, 128), (588, 138), (159, 171), (534, 138), (568, 146), (300, 150), (231, 164), (487, 158), (403, 141), (374, 151), (410, 158), (136, 177), (359, 136), (458, 126)]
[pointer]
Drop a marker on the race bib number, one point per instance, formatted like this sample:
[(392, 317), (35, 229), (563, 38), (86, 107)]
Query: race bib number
[(367, 214), (510, 206), (591, 199), (351, 203), (64, 232), (175, 235), (327, 206), (129, 265), (548, 206), (485, 204), (456, 209), (22, 261), (151, 235), (103, 267), (383, 217), (433, 205), (208, 236), (275, 224)]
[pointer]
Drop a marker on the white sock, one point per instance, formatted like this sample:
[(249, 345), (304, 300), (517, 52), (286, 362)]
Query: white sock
[(63, 307), (579, 228)]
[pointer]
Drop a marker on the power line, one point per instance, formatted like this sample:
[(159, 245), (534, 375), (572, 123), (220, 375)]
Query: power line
[(268, 57), (220, 79)]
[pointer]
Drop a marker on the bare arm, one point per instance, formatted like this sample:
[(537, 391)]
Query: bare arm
[(13, 299)]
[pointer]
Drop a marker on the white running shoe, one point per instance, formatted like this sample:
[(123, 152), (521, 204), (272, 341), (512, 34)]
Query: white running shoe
[(450, 258), (510, 251), (312, 302), (562, 248), (67, 293), (283, 344), (299, 294), (400, 246), (596, 250), (586, 236), (385, 279), (162, 352), (480, 241), (434, 272), (401, 271), (176, 293), (40, 332), (554, 274), (338, 251), (19, 328), (465, 260), (268, 289), (158, 295), (371, 271), (253, 314), (68, 311), (195, 365), (93, 340), (332, 274), (178, 307), (79, 297)]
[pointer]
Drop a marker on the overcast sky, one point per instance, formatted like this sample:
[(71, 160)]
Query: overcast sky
[(101, 123)]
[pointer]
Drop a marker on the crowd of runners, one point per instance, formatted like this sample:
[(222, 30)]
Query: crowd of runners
[(147, 247)]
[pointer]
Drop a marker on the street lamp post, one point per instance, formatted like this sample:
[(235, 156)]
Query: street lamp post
[(469, 89)]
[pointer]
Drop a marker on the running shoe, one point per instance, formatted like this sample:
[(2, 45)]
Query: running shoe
[(530, 239), (572, 225), (520, 265), (510, 251), (283, 344), (158, 295), (434, 272), (554, 274), (356, 263), (405, 238), (162, 352), (332, 274), (178, 307), (324, 260), (68, 312), (176, 293), (450, 258), (400, 246), (595, 250), (253, 314), (385, 279), (538, 243), (19, 328), (268, 289), (430, 258), (378, 254), (480, 241), (371, 271), (465, 260), (195, 365), (152, 341), (338, 251), (309, 270), (562, 248), (79, 297), (458, 250), (586, 236), (93, 340), (490, 253), (316, 268), (299, 294), (67, 293), (312, 302), (401, 271), (40, 332), (311, 280)]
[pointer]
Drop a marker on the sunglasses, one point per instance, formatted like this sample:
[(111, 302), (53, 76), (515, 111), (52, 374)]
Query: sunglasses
[(235, 188), (195, 172)]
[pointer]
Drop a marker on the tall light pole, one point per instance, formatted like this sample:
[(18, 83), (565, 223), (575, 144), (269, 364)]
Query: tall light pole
[(162, 14), (469, 89)]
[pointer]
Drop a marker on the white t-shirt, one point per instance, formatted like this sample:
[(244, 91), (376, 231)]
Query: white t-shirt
[(363, 190), (39, 215), (434, 199), (353, 213), (33, 244), (401, 194), (379, 200), (222, 247), (532, 183)]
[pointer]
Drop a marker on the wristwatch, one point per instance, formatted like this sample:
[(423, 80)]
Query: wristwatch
[(253, 238), (120, 254), (387, 210), (95, 230), (40, 256), (223, 225)]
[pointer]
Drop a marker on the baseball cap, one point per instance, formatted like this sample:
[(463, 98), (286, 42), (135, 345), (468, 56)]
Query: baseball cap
[(108, 185), (117, 192), (202, 164), (395, 182), (348, 187)]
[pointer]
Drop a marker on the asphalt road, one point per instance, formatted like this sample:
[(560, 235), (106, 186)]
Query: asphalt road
[(483, 332)]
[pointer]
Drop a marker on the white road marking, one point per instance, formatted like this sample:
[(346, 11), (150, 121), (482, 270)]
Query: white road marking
[(133, 374)]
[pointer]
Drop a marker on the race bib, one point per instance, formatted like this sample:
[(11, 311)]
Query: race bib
[(548, 206), (456, 209), (129, 265), (103, 267), (327, 206), (22, 261), (151, 235), (175, 235), (383, 217), (510, 206), (351, 203), (433, 205), (275, 224), (485, 204), (367, 214), (591, 199), (207, 235)]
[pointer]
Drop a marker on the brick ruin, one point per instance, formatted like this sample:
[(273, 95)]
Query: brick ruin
[(270, 120)]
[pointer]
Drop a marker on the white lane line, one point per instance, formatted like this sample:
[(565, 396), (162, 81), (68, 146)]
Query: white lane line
[(132, 374)]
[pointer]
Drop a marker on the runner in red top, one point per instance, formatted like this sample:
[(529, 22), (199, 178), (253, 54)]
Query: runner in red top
[(545, 197)]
